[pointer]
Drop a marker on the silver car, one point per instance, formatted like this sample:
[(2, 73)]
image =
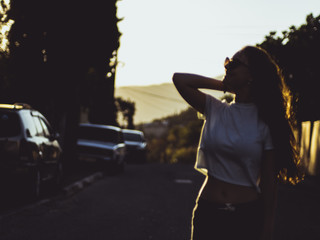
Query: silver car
[(102, 146), (29, 150)]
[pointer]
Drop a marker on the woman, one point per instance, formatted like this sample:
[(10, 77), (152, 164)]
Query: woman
[(245, 147)]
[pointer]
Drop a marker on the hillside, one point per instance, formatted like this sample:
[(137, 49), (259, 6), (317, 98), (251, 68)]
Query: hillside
[(155, 101)]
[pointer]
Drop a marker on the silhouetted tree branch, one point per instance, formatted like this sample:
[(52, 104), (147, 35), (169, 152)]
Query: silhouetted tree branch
[(127, 109), (296, 51)]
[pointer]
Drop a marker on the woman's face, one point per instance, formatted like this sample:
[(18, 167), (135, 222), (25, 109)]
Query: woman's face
[(237, 72)]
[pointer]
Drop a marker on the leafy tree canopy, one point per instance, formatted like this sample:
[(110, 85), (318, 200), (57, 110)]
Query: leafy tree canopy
[(297, 52)]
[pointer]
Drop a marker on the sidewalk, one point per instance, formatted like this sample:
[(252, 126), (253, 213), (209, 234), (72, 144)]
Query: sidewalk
[(79, 177)]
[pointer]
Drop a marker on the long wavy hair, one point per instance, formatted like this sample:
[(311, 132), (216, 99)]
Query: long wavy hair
[(273, 99)]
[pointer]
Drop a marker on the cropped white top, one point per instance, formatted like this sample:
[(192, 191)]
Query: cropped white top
[(232, 142)]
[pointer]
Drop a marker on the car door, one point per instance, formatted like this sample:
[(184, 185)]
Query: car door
[(53, 149), (49, 149), (121, 146)]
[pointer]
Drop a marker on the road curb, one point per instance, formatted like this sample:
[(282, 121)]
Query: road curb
[(79, 185), (67, 191)]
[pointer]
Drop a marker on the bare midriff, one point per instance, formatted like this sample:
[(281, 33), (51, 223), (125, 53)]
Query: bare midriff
[(222, 192)]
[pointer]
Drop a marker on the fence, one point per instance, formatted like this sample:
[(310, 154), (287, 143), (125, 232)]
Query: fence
[(310, 147)]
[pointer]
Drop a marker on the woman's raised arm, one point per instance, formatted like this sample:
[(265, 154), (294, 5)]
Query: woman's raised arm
[(188, 86)]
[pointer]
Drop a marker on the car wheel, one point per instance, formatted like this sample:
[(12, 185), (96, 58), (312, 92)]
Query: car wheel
[(58, 178)]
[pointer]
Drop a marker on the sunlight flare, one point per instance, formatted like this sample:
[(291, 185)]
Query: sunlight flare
[(5, 26)]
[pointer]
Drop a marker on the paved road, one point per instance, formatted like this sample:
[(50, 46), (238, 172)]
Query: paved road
[(146, 202), (149, 201)]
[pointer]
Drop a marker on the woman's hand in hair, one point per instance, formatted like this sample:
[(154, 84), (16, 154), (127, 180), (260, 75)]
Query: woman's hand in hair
[(188, 86)]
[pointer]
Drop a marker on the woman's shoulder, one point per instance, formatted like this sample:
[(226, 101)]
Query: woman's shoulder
[(213, 105), (214, 101)]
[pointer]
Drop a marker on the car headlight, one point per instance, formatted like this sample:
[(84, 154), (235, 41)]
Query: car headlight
[(141, 146)]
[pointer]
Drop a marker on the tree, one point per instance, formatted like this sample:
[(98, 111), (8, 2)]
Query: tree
[(296, 51), (54, 48), (5, 25), (127, 109)]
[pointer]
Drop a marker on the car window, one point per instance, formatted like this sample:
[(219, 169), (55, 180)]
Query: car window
[(29, 123), (10, 125), (45, 127), (38, 125), (133, 137), (98, 134)]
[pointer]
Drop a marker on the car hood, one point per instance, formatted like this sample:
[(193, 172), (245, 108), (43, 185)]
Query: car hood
[(96, 144)]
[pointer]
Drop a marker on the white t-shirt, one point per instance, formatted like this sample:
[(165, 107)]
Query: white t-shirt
[(232, 141)]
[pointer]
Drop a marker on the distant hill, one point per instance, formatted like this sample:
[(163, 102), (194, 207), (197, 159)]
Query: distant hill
[(155, 101)]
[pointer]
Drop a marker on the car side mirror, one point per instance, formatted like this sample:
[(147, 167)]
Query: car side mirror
[(55, 136)]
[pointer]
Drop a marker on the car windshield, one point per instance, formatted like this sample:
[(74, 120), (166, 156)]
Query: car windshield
[(133, 137), (98, 134), (9, 124)]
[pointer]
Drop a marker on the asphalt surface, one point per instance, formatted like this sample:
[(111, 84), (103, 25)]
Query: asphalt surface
[(150, 201)]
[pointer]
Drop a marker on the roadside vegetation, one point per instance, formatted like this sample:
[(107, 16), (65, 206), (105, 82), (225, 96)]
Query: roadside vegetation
[(178, 144)]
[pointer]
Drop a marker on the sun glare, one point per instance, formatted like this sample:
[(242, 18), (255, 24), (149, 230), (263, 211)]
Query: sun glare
[(5, 26)]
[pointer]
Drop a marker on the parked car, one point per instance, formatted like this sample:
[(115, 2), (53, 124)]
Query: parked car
[(102, 146), (29, 149), (136, 145)]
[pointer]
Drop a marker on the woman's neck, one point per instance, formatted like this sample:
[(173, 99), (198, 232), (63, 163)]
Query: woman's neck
[(244, 96)]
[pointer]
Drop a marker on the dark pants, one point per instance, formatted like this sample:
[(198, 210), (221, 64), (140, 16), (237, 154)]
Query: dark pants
[(214, 221)]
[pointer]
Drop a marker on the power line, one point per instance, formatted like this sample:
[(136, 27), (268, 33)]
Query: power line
[(157, 95)]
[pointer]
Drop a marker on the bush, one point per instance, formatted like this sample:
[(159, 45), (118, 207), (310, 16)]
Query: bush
[(184, 155), (180, 142)]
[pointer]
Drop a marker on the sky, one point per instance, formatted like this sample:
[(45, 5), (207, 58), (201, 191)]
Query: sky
[(160, 37)]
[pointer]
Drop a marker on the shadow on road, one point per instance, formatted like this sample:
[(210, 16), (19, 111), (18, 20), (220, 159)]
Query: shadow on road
[(14, 193)]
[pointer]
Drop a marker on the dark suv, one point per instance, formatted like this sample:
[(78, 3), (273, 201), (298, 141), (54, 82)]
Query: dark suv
[(136, 146), (29, 149)]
